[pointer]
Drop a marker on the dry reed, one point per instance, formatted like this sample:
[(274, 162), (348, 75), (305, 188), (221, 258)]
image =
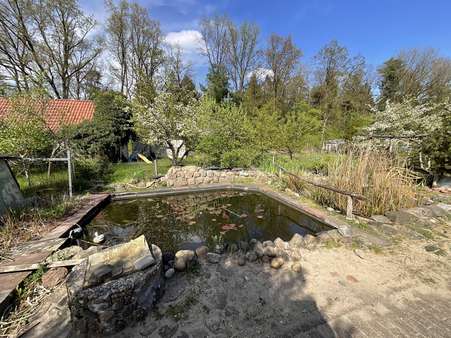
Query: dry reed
[(385, 182)]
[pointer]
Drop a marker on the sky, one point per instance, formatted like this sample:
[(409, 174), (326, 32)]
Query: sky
[(375, 29)]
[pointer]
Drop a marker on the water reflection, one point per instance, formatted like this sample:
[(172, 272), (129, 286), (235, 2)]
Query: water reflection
[(187, 221)]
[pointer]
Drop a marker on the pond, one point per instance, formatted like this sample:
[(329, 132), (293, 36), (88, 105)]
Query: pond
[(189, 220)]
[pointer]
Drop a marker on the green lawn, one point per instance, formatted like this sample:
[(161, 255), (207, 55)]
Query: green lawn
[(137, 171), (118, 173)]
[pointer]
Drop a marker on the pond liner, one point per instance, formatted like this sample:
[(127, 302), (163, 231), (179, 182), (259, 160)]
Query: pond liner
[(335, 224)]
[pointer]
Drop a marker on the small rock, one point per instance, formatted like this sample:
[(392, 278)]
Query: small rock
[(431, 248), (277, 262), (309, 240), (323, 236), (241, 260), (330, 209), (296, 241), (213, 258), (253, 241), (219, 248), (180, 264), (281, 244), (53, 277), (144, 262), (201, 251), (233, 248), (168, 274), (167, 331), (268, 244), (251, 256), (244, 246), (351, 279), (296, 267), (266, 259), (186, 255), (259, 249), (270, 251), (295, 255), (381, 219)]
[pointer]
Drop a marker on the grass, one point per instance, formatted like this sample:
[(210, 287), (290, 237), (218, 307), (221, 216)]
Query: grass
[(57, 182), (31, 222), (137, 171), (308, 161)]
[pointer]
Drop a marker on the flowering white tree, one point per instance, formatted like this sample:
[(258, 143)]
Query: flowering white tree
[(408, 120), (168, 122), (422, 129)]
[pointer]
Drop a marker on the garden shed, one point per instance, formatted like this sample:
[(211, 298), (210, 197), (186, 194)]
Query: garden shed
[(10, 194)]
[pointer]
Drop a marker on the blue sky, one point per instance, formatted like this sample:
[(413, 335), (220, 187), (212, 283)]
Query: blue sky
[(376, 29)]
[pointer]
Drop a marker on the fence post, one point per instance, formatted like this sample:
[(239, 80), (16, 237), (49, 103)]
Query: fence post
[(155, 167), (349, 208), (69, 171)]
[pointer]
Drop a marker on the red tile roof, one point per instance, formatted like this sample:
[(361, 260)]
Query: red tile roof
[(60, 112)]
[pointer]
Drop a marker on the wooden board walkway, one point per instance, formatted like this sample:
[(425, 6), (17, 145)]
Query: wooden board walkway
[(35, 252)]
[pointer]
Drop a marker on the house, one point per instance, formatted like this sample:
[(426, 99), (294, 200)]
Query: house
[(60, 112), (63, 112)]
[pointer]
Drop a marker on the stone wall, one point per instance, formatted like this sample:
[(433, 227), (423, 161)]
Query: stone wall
[(192, 175)]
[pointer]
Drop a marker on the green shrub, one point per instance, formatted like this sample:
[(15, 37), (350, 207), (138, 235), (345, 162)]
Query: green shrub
[(226, 139), (90, 170)]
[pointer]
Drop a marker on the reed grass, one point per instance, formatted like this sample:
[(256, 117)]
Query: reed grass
[(385, 182)]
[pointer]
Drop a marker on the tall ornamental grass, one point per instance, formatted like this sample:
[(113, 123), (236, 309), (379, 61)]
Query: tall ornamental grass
[(384, 181)]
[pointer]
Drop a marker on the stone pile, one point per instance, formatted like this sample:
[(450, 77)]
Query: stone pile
[(114, 288), (277, 253), (192, 175)]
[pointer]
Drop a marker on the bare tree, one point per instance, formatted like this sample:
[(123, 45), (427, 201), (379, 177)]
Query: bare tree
[(282, 57), (241, 53), (214, 32), (426, 75), (176, 69), (135, 42), (118, 33), (51, 41), (146, 39)]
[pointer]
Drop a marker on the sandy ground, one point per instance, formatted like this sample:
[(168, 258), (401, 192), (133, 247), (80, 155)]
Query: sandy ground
[(350, 290), (338, 294)]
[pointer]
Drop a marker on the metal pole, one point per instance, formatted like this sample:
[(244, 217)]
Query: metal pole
[(69, 171)]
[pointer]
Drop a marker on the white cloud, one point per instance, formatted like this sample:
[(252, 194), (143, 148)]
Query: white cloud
[(190, 41), (261, 73)]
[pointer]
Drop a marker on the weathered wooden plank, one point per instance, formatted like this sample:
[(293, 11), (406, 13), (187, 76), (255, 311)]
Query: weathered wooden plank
[(35, 266)]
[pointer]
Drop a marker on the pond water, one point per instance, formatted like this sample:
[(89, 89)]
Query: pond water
[(187, 221)]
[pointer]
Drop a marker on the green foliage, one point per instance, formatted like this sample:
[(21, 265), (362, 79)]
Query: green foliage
[(109, 130), (24, 132), (437, 146), (298, 128), (391, 73), (90, 170), (226, 138), (168, 122), (306, 161), (217, 83)]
